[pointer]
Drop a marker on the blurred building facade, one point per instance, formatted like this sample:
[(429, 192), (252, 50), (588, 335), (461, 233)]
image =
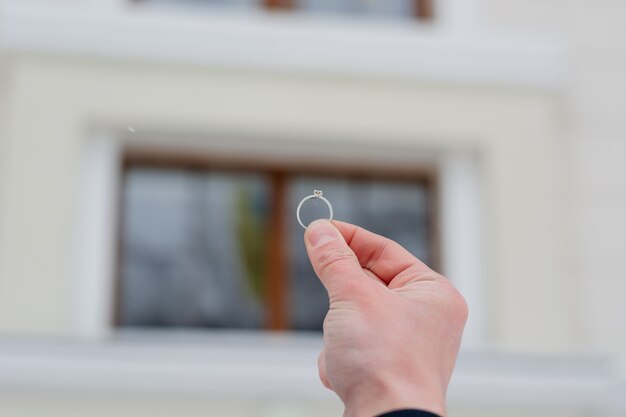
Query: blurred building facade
[(507, 114)]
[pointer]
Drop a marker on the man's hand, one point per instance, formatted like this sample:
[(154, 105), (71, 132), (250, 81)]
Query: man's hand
[(392, 334)]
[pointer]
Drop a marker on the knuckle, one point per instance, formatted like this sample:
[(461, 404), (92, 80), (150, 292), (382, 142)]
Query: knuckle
[(458, 306), (334, 261), (462, 307)]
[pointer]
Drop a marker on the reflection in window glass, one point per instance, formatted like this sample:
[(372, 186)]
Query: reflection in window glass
[(213, 3), (396, 210), (395, 8), (195, 244), (375, 8), (193, 249)]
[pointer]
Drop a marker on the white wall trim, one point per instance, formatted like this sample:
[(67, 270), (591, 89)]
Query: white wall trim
[(462, 237), (282, 42), (458, 16), (96, 235), (276, 368), (460, 219)]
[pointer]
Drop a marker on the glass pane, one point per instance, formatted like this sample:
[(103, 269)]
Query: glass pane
[(397, 210), (395, 8), (376, 8), (245, 4), (193, 250)]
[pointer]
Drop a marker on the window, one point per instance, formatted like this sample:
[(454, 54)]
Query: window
[(420, 9), (215, 244)]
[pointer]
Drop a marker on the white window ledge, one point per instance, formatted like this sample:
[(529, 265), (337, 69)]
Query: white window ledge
[(273, 366), (281, 42)]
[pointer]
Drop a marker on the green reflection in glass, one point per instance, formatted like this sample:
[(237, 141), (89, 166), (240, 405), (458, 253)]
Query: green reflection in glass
[(250, 232)]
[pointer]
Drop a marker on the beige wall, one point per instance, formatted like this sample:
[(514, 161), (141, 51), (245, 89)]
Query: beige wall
[(515, 132), (596, 130), (35, 404), (79, 405), (551, 166)]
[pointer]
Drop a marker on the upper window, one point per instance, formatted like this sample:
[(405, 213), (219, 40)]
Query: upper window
[(213, 245), (420, 9)]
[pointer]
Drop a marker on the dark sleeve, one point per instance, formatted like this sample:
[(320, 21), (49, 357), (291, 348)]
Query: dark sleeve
[(408, 413)]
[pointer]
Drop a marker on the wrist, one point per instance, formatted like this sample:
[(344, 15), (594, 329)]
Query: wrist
[(385, 396)]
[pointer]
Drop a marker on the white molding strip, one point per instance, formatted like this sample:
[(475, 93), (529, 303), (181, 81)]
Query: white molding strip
[(281, 42), (96, 236), (462, 238), (264, 367), (96, 221)]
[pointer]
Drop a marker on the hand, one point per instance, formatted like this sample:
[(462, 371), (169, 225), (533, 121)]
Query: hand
[(393, 330)]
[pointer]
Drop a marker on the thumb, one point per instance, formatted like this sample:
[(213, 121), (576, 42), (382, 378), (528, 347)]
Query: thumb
[(333, 261)]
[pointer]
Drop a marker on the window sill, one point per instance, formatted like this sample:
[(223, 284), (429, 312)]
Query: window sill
[(283, 42), (256, 365)]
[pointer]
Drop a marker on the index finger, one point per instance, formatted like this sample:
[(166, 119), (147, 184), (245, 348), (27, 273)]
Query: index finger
[(384, 257)]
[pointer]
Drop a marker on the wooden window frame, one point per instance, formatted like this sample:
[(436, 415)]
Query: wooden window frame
[(423, 10), (279, 174)]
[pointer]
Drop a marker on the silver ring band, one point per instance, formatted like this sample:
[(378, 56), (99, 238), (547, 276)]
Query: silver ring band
[(316, 194)]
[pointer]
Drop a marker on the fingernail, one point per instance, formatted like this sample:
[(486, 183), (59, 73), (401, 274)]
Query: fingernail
[(321, 232)]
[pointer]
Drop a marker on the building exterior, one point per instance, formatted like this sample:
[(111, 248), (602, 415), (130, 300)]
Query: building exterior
[(513, 109)]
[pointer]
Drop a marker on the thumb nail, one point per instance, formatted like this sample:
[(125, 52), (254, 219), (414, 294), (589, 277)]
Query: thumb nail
[(321, 232)]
